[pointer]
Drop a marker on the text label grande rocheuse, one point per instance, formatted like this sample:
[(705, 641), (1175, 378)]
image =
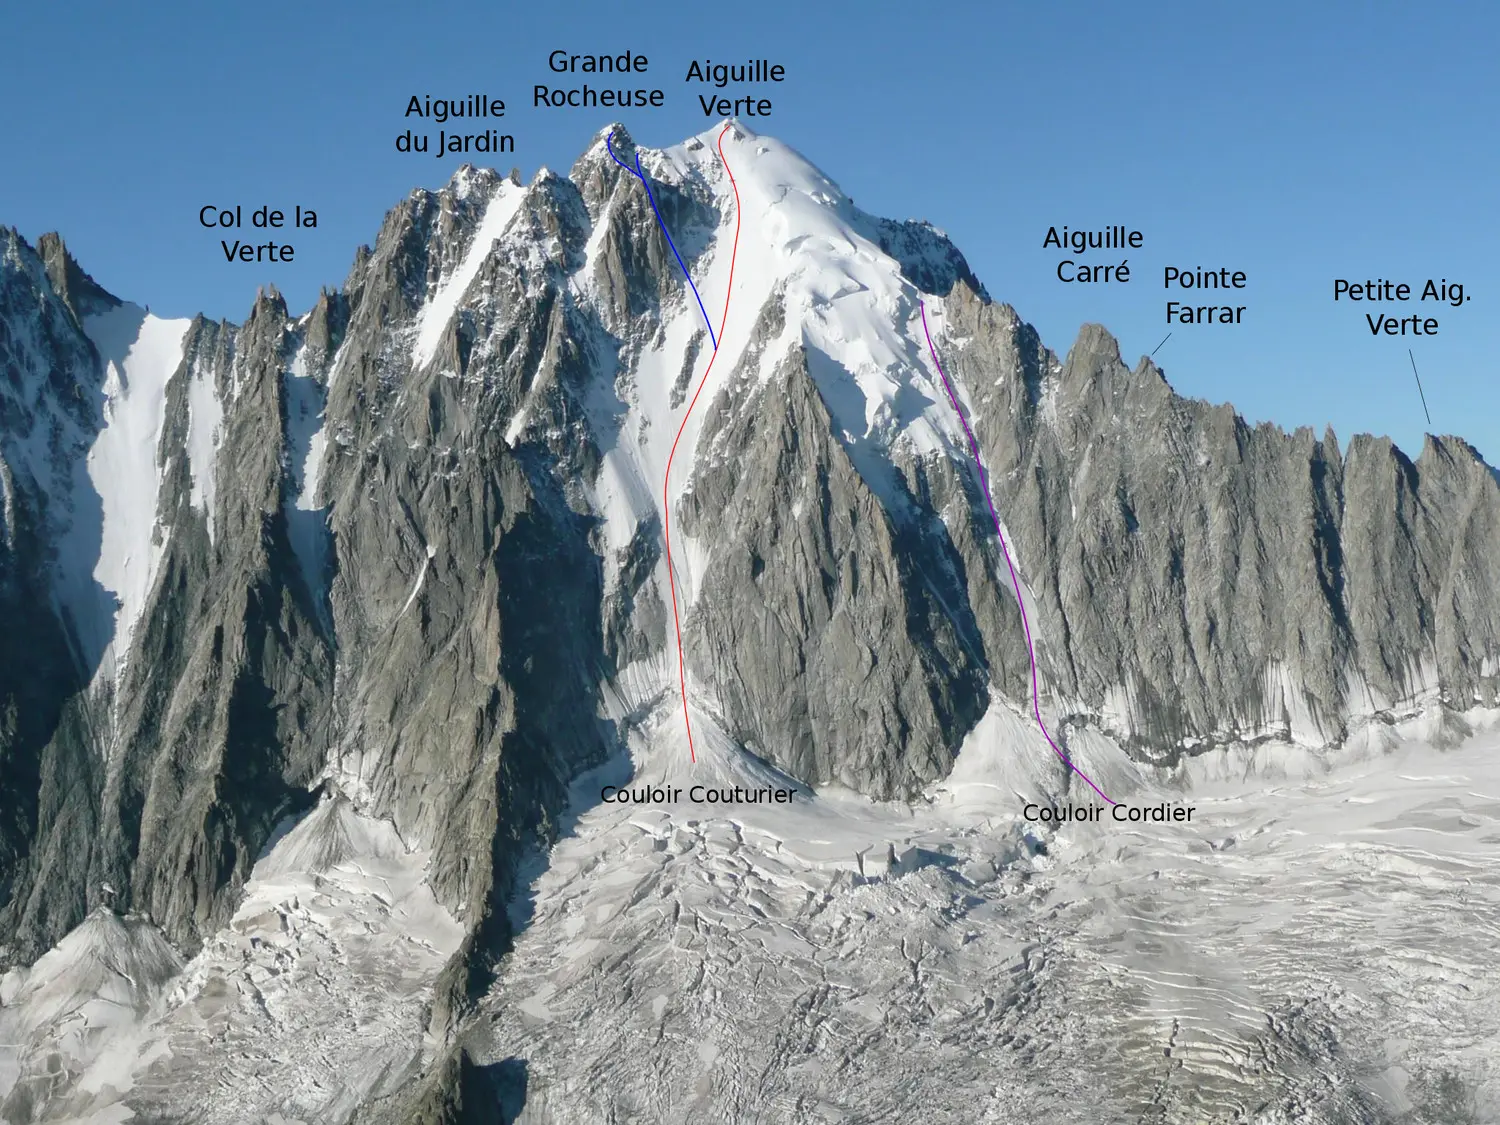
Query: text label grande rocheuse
[(544, 95)]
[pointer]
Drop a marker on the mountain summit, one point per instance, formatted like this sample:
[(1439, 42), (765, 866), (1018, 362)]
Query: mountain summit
[(398, 563)]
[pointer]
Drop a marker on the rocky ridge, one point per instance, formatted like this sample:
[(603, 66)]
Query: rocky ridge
[(404, 550)]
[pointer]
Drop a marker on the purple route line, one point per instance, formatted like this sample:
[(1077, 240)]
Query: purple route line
[(984, 484)]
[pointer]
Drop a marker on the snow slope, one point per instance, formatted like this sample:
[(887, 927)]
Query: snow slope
[(439, 310), (140, 353), (321, 984), (803, 245), (804, 241), (83, 998), (1315, 948), (205, 417), (307, 440)]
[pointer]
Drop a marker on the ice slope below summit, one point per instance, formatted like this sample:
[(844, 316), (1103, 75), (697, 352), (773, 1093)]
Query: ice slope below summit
[(804, 243), (809, 272)]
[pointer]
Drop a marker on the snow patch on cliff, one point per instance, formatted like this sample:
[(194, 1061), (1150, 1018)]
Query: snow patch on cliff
[(140, 353), (438, 312), (205, 417), (307, 439)]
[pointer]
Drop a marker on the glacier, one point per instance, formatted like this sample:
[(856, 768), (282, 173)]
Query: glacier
[(1314, 948), (395, 568)]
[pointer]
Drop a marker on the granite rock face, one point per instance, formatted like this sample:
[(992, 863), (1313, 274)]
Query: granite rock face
[(868, 665), (1200, 580), (405, 549), (160, 770)]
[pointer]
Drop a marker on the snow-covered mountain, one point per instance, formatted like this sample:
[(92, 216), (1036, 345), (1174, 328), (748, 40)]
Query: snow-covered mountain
[(314, 621)]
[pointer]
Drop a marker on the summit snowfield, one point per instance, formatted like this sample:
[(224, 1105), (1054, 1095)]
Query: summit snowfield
[(805, 251), (329, 633)]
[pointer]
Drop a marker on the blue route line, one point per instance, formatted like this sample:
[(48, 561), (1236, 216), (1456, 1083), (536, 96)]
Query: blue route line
[(639, 174)]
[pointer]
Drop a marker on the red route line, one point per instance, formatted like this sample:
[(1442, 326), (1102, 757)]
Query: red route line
[(666, 502)]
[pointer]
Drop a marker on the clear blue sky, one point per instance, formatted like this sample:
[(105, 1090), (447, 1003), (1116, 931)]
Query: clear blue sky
[(1298, 142)]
